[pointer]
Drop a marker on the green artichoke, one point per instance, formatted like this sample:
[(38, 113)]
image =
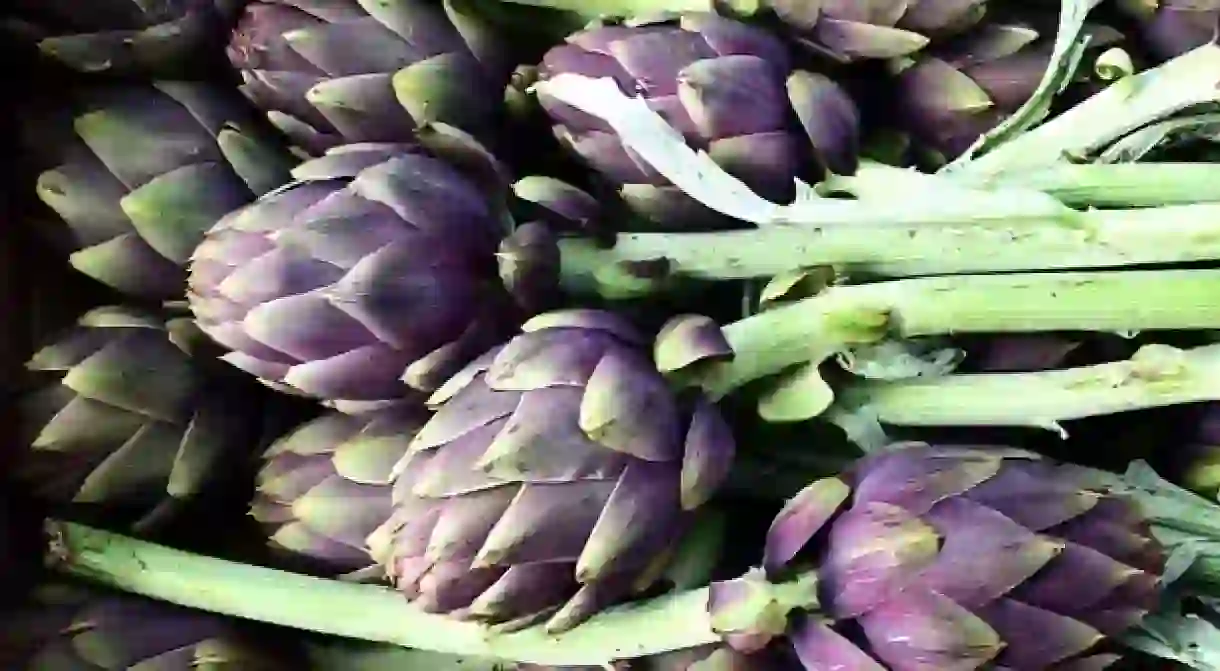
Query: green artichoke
[(373, 276), (70, 628), (1170, 28), (119, 421), (325, 487), (556, 477), (140, 172), (941, 557), (728, 87), (849, 30), (331, 72), (126, 37), (950, 96)]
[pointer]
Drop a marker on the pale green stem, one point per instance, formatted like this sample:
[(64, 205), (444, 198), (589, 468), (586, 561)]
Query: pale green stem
[(367, 612), (816, 328), (1078, 185), (1123, 107), (1155, 376), (1103, 238)]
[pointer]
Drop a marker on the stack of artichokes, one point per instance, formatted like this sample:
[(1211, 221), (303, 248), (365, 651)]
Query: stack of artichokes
[(862, 335)]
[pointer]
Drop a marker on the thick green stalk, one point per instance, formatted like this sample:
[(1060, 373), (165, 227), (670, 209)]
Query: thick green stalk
[(1077, 185), (1103, 238), (816, 328), (366, 612), (1156, 375), (1125, 106)]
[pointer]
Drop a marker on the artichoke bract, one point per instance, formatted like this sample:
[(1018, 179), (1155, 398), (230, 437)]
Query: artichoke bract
[(728, 87), (380, 260), (1171, 28), (141, 172), (555, 479), (325, 487), (331, 72), (849, 30), (952, 558), (120, 421), (950, 96), (71, 628), (127, 37)]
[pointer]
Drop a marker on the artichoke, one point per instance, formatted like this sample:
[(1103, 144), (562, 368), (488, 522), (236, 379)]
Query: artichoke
[(325, 487), (729, 88), (941, 557), (702, 658), (380, 260), (70, 628), (143, 171), (1170, 28), (126, 37), (416, 62), (118, 419), (556, 477), (950, 96), (849, 30)]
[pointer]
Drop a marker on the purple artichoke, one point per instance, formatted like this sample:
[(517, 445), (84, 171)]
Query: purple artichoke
[(849, 30), (325, 487), (729, 88), (141, 37), (380, 260), (702, 658), (556, 477), (69, 628), (331, 72), (952, 558), (138, 173), (1171, 28), (950, 96), (119, 419)]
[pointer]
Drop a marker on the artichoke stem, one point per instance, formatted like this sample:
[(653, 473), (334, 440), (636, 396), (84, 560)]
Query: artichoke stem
[(1083, 185), (1103, 238), (366, 612), (1125, 106), (816, 328), (1155, 376)]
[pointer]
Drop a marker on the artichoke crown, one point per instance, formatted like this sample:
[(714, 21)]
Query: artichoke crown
[(555, 478)]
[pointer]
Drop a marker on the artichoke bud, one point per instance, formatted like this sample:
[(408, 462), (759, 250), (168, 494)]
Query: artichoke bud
[(417, 65), (941, 554), (557, 469), (705, 71), (121, 421)]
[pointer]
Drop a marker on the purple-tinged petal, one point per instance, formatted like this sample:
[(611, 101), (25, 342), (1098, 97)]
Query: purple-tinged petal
[(1036, 638), (821, 648), (923, 631), (707, 456), (546, 522), (639, 517), (875, 551), (688, 339), (628, 407), (803, 516)]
